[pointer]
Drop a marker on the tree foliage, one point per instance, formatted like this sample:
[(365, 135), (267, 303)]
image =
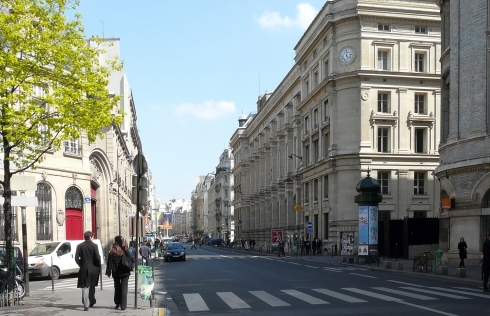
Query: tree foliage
[(52, 86)]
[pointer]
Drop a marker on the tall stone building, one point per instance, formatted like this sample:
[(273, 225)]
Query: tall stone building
[(465, 126), (362, 95)]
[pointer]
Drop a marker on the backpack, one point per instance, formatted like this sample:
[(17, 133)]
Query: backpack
[(126, 263)]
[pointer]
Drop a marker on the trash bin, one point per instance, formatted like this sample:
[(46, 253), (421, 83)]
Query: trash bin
[(437, 260), (145, 282)]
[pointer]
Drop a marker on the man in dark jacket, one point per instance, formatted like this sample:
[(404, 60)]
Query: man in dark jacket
[(145, 253), (486, 263), (88, 259)]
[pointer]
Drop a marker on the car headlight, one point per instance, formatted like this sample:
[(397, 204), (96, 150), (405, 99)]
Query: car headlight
[(182, 253), (40, 263)]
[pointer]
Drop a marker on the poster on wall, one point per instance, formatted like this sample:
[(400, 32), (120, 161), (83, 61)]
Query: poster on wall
[(363, 250), (347, 244), (373, 225), (363, 225), (276, 236)]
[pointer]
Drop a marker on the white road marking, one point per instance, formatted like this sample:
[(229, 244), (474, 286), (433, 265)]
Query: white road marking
[(366, 276), (412, 295), (269, 299), (195, 303), (340, 296), (405, 283), (437, 293), (232, 300), (427, 308), (305, 297), (460, 292), (375, 295)]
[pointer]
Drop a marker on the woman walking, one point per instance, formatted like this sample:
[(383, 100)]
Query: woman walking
[(119, 273), (462, 252)]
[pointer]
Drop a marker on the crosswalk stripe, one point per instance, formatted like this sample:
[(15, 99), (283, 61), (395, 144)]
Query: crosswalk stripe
[(363, 275), (195, 303), (460, 292), (436, 293), (412, 295), (340, 296), (405, 283), (305, 297), (232, 300), (375, 295), (467, 289), (269, 299)]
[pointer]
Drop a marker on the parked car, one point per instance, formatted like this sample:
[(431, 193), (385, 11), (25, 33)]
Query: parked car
[(186, 239), (61, 254), (174, 251), (19, 258)]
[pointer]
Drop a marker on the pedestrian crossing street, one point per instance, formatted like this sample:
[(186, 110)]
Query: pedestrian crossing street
[(71, 284), (404, 293)]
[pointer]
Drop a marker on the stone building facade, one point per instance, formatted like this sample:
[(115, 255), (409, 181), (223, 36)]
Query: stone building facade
[(86, 186), (465, 126), (362, 95)]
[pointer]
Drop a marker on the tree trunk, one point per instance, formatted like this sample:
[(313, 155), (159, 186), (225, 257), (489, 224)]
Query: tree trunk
[(7, 211)]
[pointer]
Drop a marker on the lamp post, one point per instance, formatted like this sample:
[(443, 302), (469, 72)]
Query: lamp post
[(293, 155)]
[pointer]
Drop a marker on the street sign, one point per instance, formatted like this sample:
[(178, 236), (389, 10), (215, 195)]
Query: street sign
[(22, 200), (23, 183), (309, 227), (87, 199), (139, 164)]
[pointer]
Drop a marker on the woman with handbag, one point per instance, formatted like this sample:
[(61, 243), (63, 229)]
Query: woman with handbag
[(462, 252), (117, 262)]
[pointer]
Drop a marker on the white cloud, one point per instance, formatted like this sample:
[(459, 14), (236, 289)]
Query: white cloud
[(273, 20), (208, 110)]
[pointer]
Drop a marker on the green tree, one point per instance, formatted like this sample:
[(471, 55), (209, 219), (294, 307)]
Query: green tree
[(52, 87)]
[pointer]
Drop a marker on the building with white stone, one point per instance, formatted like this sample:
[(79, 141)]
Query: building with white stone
[(362, 95)]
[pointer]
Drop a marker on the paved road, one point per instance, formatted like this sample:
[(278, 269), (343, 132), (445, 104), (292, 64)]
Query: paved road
[(216, 281)]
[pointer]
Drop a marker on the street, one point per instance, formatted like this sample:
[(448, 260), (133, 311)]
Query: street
[(217, 281)]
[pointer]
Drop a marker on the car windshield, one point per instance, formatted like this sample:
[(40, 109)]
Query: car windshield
[(44, 249), (175, 246)]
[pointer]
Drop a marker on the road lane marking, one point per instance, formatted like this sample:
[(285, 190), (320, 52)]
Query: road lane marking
[(412, 295), (366, 276), (269, 299), (305, 297), (371, 294), (232, 300), (426, 308), (437, 293), (310, 267), (468, 289), (195, 303), (340, 296), (405, 283), (460, 292)]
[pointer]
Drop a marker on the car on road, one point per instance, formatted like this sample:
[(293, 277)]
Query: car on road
[(19, 258), (174, 251), (186, 239)]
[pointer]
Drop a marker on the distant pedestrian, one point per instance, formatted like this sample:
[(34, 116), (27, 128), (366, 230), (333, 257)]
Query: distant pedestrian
[(247, 245), (462, 252), (132, 252), (119, 273), (253, 244), (193, 244), (281, 248), (319, 245), (87, 258), (145, 254), (314, 246), (486, 263)]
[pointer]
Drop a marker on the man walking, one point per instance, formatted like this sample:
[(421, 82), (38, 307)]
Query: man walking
[(145, 253), (486, 263), (193, 244), (88, 259)]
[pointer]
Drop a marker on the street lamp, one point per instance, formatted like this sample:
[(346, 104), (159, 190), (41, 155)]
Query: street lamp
[(291, 157)]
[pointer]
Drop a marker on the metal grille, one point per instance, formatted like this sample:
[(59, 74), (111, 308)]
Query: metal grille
[(15, 233), (73, 198), (43, 212)]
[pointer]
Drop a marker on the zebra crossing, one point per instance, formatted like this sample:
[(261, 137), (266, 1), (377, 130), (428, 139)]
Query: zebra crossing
[(195, 302), (71, 284)]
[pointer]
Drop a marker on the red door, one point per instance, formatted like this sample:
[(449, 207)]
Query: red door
[(94, 218), (74, 224)]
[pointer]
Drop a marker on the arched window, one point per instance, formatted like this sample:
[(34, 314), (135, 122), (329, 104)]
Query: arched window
[(43, 212), (485, 202), (15, 232), (73, 198)]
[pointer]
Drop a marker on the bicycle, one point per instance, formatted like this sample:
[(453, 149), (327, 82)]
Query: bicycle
[(423, 262)]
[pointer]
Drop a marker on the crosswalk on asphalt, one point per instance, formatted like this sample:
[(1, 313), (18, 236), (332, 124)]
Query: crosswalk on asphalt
[(195, 302)]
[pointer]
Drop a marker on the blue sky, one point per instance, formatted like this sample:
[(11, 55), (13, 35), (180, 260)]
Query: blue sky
[(194, 67)]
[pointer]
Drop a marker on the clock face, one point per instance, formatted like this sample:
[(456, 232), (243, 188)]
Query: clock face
[(346, 54)]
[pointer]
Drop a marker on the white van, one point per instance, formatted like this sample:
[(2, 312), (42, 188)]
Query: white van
[(61, 254)]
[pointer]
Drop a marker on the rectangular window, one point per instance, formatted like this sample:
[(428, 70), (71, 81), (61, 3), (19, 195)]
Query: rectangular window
[(315, 190), (325, 68), (307, 155), (418, 183), (419, 140), (382, 60), (325, 110), (420, 30), (325, 226), (384, 216), (306, 125), (326, 144), (383, 140), (419, 214), (43, 212), (419, 62), (315, 118), (383, 27), (315, 79), (325, 187), (383, 177), (72, 147), (306, 88), (307, 192), (316, 153), (383, 103), (420, 104)]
